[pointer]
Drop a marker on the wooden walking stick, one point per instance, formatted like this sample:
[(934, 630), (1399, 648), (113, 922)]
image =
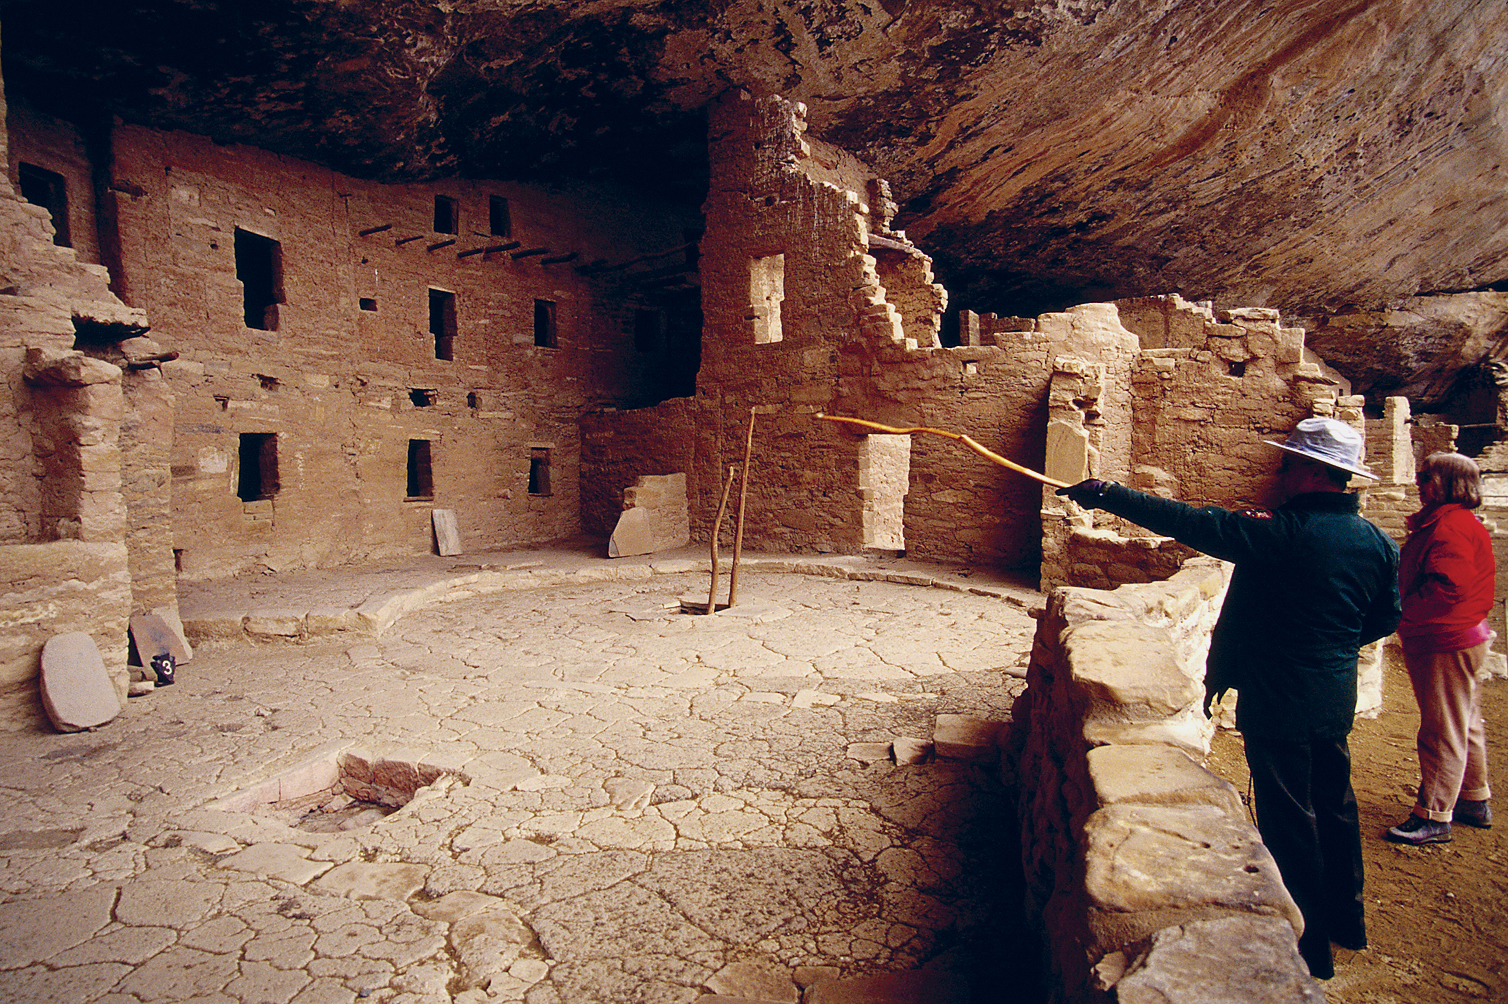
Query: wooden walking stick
[(743, 494), (716, 526), (987, 454)]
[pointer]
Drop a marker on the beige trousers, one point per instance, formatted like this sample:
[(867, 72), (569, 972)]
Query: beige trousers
[(1451, 741)]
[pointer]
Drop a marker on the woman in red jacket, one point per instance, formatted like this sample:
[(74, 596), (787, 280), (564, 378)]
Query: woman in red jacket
[(1445, 576)]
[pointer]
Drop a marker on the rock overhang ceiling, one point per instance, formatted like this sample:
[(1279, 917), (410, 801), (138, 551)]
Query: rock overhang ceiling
[(1310, 155)]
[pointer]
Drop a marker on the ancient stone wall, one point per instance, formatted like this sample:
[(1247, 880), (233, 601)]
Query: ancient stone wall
[(1129, 845), (813, 305), (352, 354), (1206, 393), (63, 559)]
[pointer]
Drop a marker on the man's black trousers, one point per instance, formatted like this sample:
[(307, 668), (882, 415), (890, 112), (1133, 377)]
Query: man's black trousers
[(1306, 813)]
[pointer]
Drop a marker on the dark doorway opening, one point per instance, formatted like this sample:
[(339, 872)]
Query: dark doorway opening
[(442, 322), (421, 480), (544, 323), (259, 266), (258, 472), (49, 190)]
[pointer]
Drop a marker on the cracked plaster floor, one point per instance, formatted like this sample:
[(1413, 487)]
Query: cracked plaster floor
[(644, 806)]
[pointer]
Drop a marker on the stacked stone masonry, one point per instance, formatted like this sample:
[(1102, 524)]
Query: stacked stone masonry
[(1147, 878)]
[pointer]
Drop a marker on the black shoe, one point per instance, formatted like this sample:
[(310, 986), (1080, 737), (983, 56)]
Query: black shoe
[(1417, 830), (1473, 813), (1350, 942)]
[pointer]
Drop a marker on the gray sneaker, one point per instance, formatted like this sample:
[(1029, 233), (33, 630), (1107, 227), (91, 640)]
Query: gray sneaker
[(1417, 830), (1473, 813)]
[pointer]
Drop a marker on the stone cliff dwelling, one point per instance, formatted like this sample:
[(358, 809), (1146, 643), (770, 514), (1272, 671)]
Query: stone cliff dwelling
[(278, 291)]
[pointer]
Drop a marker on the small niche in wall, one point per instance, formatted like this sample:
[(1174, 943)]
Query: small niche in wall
[(544, 323), (259, 266), (472, 400), (539, 470), (442, 322), (1236, 368), (766, 294), (257, 475), (421, 480), (499, 220), (422, 397), (367, 303), (447, 215), (49, 190), (649, 326)]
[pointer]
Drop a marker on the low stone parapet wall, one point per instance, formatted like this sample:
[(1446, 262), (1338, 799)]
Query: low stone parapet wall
[(1148, 879)]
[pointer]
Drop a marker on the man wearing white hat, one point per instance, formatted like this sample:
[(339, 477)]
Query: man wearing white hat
[(1313, 583)]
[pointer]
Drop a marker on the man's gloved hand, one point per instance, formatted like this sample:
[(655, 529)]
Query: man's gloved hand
[(1086, 493)]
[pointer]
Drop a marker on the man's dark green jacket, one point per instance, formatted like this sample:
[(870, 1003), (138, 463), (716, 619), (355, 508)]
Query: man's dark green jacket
[(1314, 582)]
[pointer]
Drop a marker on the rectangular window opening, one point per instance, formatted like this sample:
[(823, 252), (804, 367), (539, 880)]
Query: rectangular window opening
[(422, 397), (49, 190), (368, 303), (259, 266), (447, 215), (544, 323), (421, 480), (258, 472), (442, 322), (499, 222), (648, 330), (766, 294), (539, 471)]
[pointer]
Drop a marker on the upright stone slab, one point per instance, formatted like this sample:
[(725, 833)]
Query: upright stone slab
[(169, 614), (77, 693), (633, 535), (153, 636), (447, 533)]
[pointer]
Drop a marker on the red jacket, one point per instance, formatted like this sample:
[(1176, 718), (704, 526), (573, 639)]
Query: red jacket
[(1445, 576)]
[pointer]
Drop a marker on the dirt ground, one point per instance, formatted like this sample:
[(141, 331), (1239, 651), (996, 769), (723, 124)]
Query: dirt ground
[(1435, 914)]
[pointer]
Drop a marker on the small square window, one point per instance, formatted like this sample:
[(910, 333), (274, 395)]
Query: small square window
[(368, 303)]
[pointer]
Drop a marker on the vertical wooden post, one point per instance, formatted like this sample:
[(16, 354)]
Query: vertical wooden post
[(743, 494), (717, 524)]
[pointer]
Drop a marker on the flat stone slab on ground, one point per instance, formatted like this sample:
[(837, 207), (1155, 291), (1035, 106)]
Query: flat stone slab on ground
[(964, 737), (76, 689)]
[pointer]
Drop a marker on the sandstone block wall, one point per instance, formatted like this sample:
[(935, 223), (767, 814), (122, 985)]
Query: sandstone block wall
[(51, 589), (64, 561), (1129, 845), (351, 361)]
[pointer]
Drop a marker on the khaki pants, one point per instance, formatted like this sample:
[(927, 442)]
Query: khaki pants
[(1452, 745)]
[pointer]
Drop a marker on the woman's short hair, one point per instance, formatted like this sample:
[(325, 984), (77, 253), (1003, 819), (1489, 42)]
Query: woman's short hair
[(1459, 478)]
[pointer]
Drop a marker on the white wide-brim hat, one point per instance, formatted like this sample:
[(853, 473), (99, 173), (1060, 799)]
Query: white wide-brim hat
[(1331, 442)]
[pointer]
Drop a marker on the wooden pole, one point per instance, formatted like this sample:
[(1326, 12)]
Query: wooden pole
[(989, 455), (716, 526), (743, 494)]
